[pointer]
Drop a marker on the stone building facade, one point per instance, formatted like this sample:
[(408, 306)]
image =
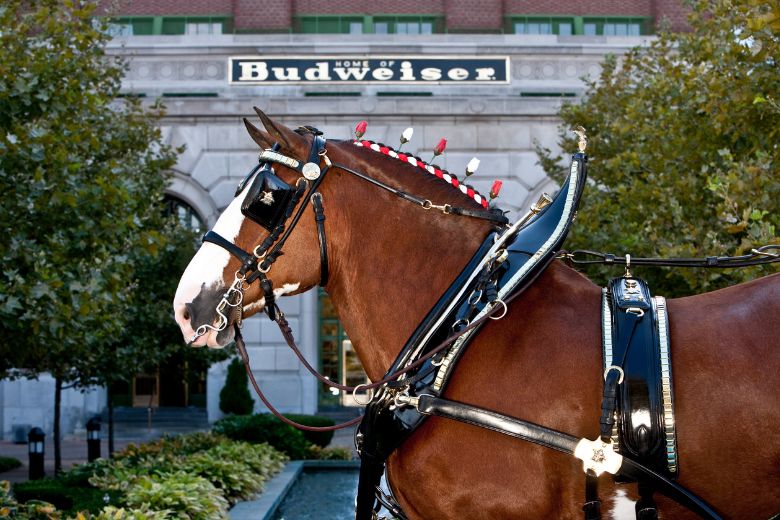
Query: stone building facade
[(180, 52)]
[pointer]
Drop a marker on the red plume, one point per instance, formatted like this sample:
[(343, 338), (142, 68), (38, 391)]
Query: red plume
[(360, 129), (495, 189)]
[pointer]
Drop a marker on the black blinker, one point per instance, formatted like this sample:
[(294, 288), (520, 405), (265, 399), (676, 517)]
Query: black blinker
[(267, 199)]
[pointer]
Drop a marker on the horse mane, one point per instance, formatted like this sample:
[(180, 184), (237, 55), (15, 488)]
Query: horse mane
[(434, 171)]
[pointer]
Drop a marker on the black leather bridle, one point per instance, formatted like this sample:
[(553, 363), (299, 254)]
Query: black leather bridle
[(271, 203)]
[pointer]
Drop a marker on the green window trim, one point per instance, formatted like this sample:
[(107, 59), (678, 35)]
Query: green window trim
[(170, 25), (642, 25), (368, 24), (558, 25), (565, 25), (337, 359)]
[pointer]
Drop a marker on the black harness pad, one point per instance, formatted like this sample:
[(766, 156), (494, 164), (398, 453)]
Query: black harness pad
[(636, 339)]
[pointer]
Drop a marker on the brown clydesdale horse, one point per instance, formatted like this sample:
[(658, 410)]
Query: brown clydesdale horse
[(391, 260)]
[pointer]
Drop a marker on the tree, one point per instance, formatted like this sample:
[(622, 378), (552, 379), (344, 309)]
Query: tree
[(234, 397), (149, 336), (82, 178), (683, 139)]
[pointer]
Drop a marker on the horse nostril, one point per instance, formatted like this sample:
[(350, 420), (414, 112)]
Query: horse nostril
[(186, 314)]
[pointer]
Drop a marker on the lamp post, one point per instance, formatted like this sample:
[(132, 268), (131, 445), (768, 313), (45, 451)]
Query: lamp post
[(35, 451), (93, 439)]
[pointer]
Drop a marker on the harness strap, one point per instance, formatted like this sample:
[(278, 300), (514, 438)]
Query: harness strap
[(493, 216), (549, 438), (319, 218), (241, 346), (592, 506), (248, 261), (758, 256), (612, 378)]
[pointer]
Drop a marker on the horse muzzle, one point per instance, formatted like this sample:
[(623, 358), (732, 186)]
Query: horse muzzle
[(207, 319)]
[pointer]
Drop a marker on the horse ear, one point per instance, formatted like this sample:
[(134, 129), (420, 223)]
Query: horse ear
[(258, 136), (286, 137)]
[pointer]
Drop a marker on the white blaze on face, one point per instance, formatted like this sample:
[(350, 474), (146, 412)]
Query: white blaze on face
[(209, 262)]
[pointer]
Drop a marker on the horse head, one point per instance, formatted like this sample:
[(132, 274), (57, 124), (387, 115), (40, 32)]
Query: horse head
[(198, 304), (388, 215)]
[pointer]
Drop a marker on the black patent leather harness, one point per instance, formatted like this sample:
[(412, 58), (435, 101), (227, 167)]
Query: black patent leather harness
[(510, 259), (256, 264)]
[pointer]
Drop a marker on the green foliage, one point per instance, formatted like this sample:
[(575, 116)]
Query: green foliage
[(236, 469), (8, 463), (120, 513), (683, 139), (33, 510), (61, 494), (83, 178), (320, 439), (189, 477), (187, 496), (234, 398), (173, 445), (334, 453), (264, 427)]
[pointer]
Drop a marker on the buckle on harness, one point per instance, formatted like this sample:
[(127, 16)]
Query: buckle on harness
[(614, 367)]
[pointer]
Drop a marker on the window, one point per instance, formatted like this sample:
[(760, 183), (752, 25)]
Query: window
[(350, 24), (203, 28), (149, 25), (192, 25), (338, 360), (120, 30), (184, 213), (135, 26), (616, 26), (405, 24), (577, 25), (329, 24), (541, 25)]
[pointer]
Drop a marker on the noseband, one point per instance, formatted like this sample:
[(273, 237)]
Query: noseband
[(271, 202)]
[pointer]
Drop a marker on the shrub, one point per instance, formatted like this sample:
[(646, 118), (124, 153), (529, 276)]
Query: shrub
[(234, 398), (190, 477), (188, 496), (334, 453), (261, 428), (178, 445), (114, 513), (321, 439), (62, 495), (8, 463)]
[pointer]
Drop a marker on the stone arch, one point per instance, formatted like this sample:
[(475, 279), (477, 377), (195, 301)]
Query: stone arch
[(183, 187)]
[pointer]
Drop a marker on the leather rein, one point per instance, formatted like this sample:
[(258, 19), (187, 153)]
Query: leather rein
[(256, 264)]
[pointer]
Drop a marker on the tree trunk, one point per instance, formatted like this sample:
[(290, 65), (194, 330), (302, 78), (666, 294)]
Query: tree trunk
[(110, 399), (57, 418)]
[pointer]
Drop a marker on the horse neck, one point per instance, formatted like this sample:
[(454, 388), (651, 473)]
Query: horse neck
[(391, 262)]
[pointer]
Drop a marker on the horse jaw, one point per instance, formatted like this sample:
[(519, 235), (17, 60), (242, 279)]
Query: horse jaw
[(204, 273), (259, 305)]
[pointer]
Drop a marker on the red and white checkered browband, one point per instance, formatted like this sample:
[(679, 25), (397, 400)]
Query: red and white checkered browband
[(441, 174)]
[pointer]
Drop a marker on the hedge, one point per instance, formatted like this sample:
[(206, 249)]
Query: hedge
[(264, 427), (8, 463)]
